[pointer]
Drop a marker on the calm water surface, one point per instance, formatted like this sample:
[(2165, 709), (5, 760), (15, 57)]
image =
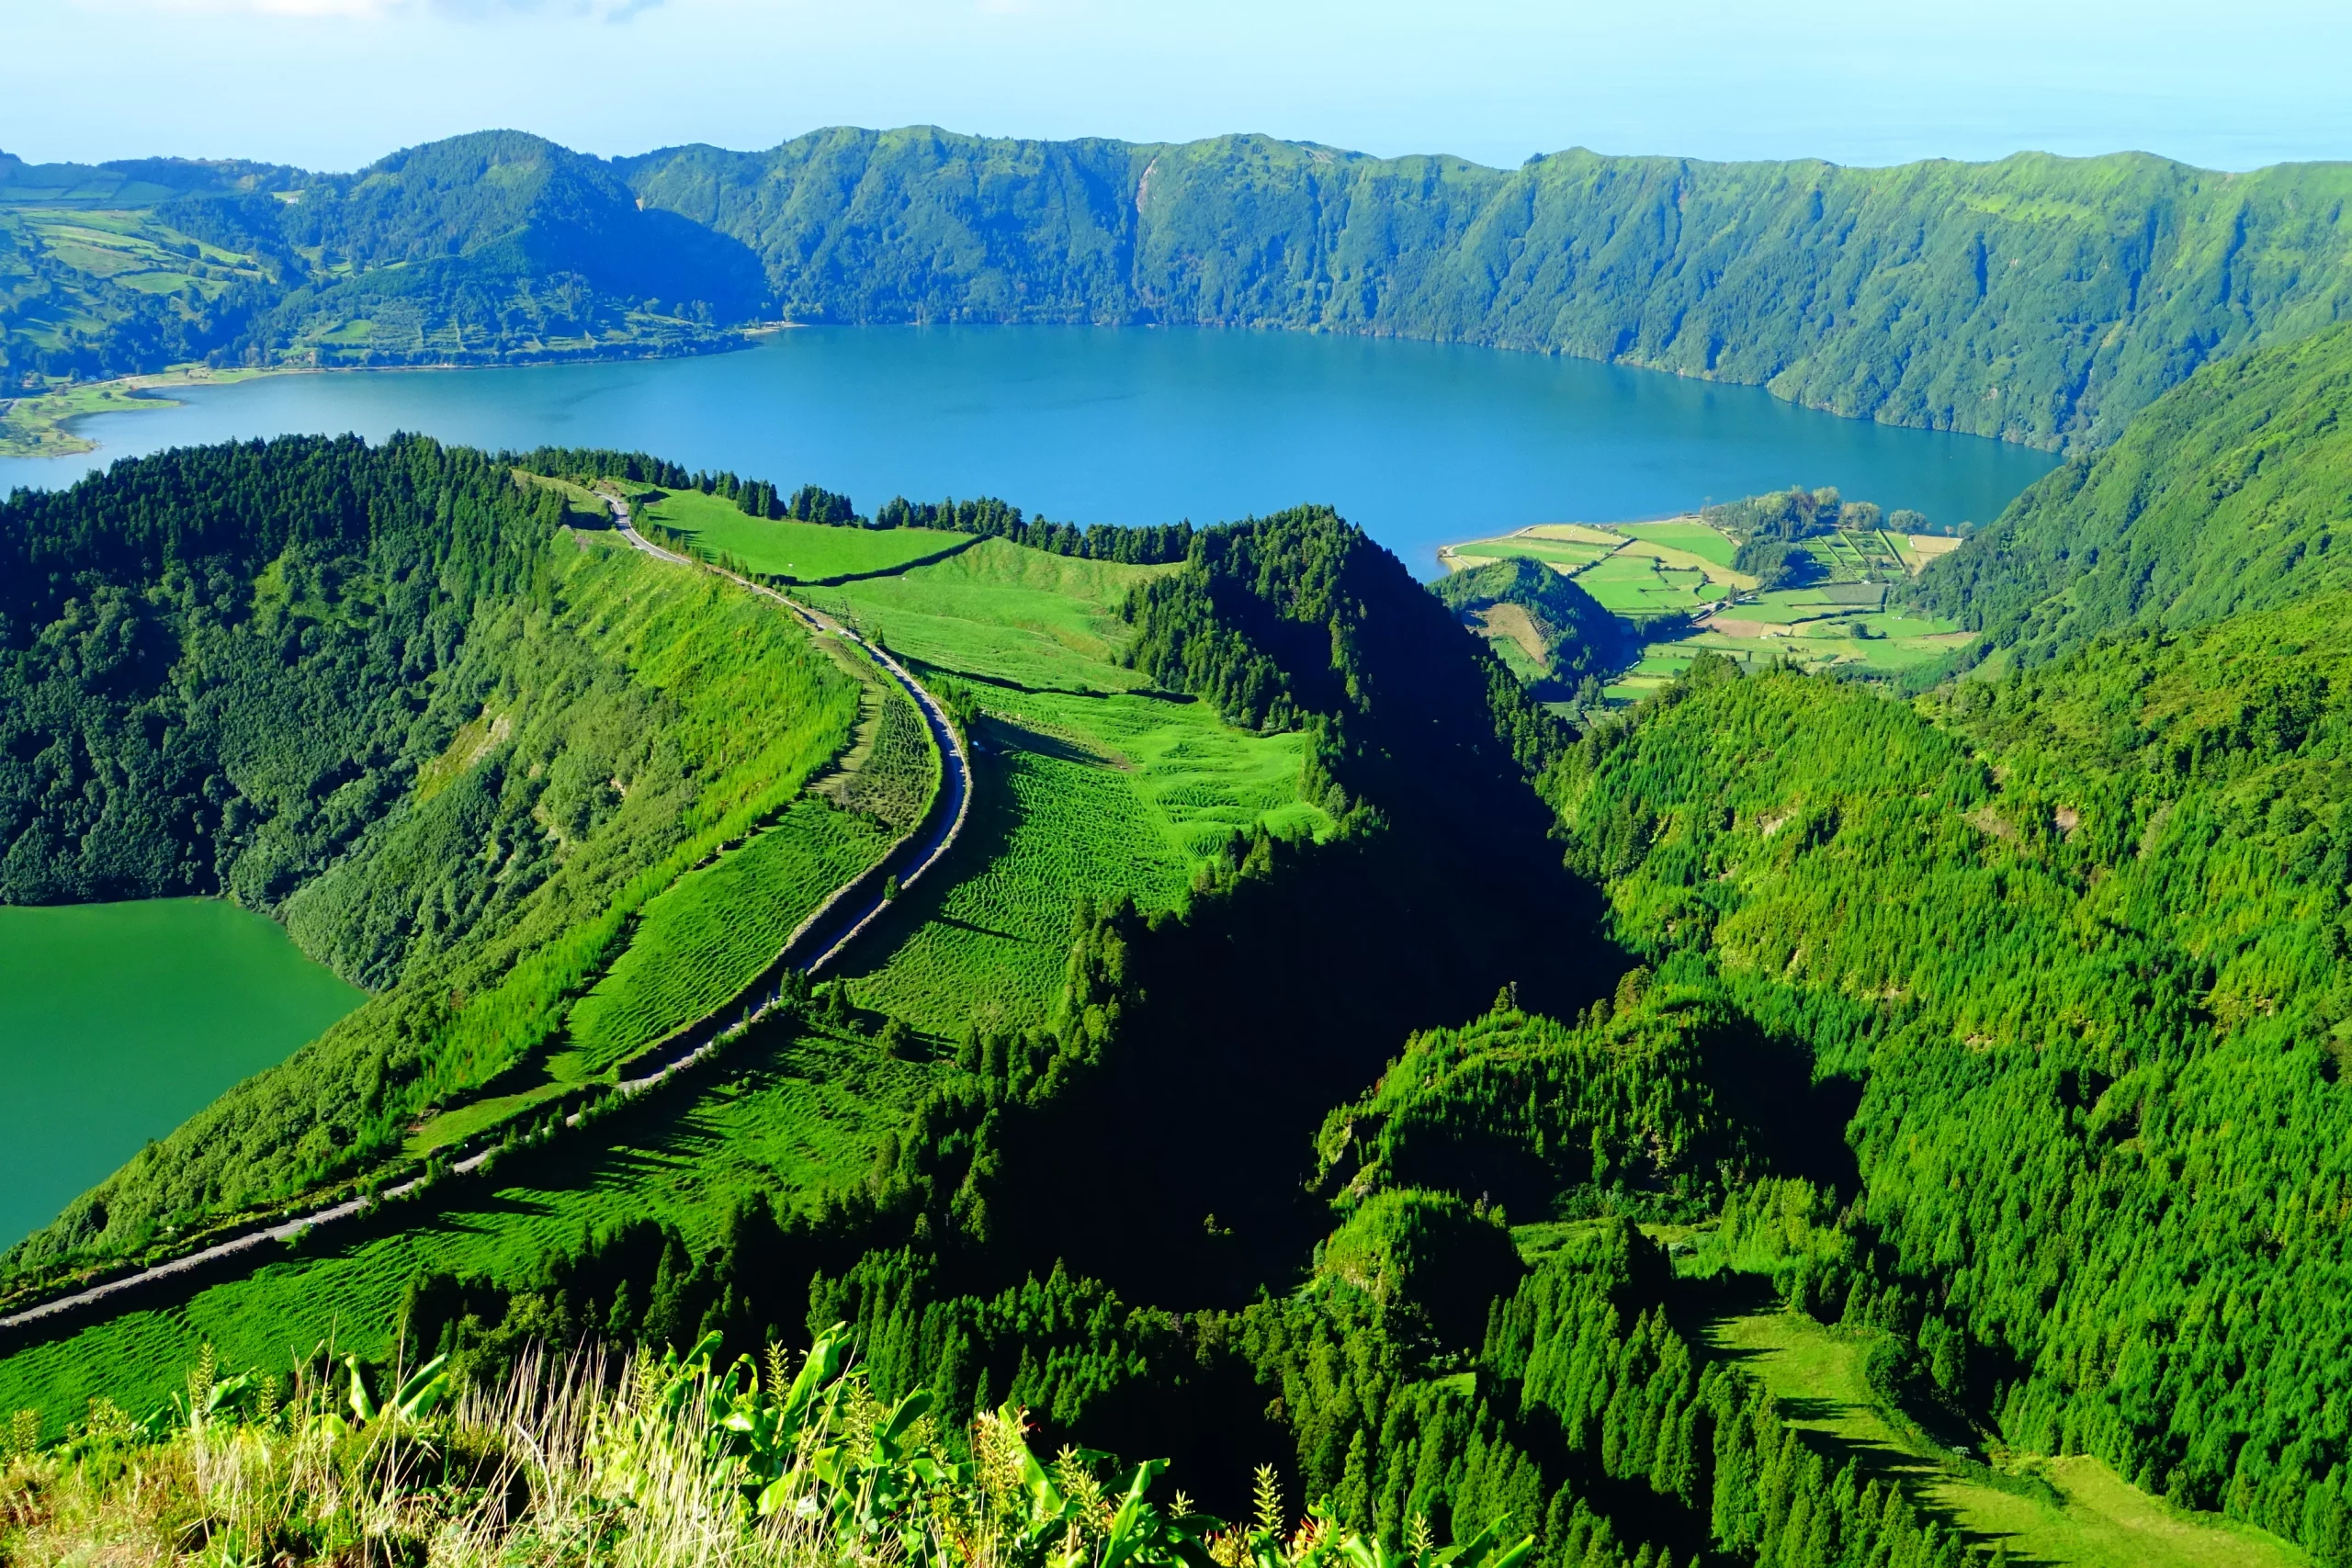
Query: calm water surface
[(117, 1022), (1420, 443)]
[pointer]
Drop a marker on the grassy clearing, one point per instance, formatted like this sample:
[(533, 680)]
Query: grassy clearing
[(799, 552), (1007, 615), (2070, 1511), (475, 1116), (1688, 535), (1648, 570), (1085, 785), (892, 770), (1644, 585)]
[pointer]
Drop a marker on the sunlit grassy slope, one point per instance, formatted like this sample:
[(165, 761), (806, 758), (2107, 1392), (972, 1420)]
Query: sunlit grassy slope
[(800, 552), (2069, 1511), (1089, 784), (1086, 786)]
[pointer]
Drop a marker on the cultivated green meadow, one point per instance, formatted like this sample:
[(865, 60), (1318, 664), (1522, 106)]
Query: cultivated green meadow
[(1088, 783), (1676, 578)]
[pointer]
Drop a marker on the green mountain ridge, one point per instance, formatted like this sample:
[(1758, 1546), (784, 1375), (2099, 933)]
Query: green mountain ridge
[(2037, 298), (2232, 494), (388, 696)]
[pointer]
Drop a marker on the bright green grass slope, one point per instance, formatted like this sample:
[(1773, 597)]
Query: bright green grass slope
[(699, 943), (1074, 795), (798, 552), (671, 714), (2232, 494), (1087, 785), (1017, 617)]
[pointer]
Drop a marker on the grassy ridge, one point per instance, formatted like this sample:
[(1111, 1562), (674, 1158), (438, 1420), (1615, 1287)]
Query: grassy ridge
[(1075, 795), (797, 552)]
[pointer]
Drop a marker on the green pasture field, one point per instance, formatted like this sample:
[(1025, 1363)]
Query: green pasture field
[(705, 938), (1085, 784), (2069, 1512), (1013, 617), (892, 768), (800, 552), (1797, 627), (985, 938), (795, 1116), (1671, 558), (1642, 585), (1691, 538)]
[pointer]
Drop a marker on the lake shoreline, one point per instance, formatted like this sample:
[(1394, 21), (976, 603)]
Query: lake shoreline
[(37, 424)]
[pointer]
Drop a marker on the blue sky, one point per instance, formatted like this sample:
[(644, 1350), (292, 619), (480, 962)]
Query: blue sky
[(333, 84)]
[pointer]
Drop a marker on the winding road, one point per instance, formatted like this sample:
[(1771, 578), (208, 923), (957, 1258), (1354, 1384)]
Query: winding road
[(854, 906)]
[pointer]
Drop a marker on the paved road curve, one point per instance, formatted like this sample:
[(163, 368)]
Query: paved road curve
[(853, 907)]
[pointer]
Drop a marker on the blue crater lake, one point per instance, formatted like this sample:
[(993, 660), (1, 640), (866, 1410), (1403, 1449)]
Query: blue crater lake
[(1422, 443)]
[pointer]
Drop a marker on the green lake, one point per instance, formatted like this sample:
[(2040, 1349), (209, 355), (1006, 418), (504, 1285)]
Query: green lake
[(120, 1020)]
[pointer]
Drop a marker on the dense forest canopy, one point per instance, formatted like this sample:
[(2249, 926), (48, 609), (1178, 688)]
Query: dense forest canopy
[(2038, 298)]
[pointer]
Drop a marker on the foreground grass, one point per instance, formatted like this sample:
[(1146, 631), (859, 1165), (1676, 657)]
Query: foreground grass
[(2073, 1511)]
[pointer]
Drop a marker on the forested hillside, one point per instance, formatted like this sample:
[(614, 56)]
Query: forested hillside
[(2232, 493), (2075, 934), (385, 695), (1437, 1103), (477, 250), (2037, 298)]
